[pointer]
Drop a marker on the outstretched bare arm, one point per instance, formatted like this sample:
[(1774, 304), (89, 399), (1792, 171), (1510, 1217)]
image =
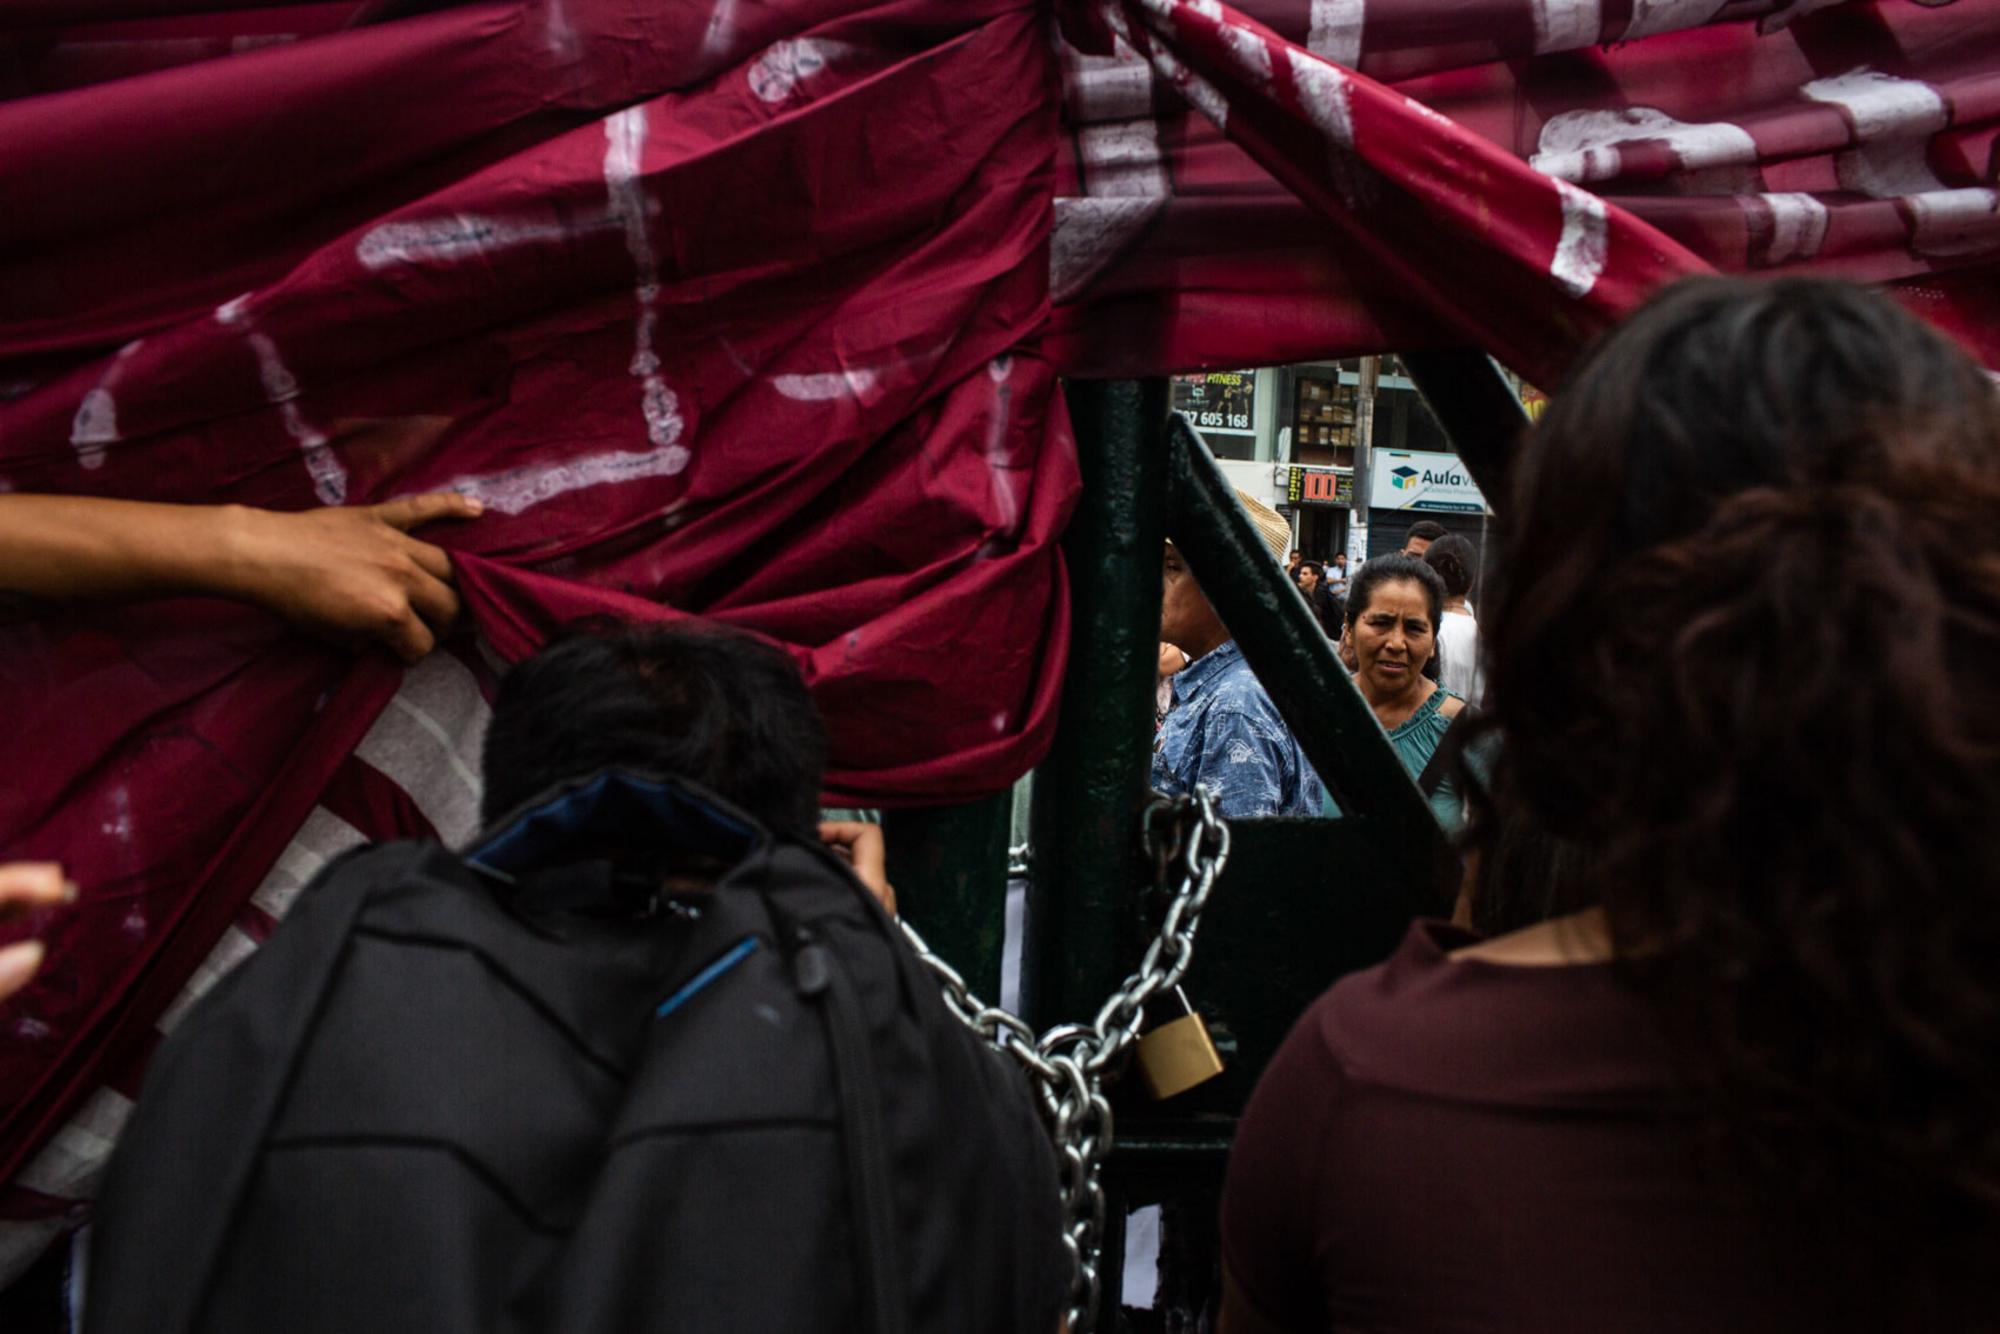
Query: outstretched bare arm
[(352, 574)]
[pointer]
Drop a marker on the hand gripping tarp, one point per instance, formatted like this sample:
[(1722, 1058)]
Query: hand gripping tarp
[(752, 309)]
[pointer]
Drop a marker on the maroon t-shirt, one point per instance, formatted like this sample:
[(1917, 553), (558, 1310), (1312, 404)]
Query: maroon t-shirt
[(1458, 1145)]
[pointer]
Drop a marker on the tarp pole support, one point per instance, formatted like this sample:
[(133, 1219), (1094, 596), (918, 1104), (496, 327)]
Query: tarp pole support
[(949, 867), (1478, 409), (1089, 794)]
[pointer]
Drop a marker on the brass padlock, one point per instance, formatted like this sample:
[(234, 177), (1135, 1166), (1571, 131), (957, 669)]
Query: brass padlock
[(1178, 1054)]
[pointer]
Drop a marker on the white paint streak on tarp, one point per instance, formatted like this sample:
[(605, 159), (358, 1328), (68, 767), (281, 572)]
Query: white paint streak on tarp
[(427, 743), (95, 426), (1892, 120), (720, 34), (281, 390), (321, 838), (558, 33), (1798, 225), (1881, 106), (1102, 88), (514, 490), (234, 947), (22, 1243), (1199, 92), (1089, 234), (72, 1162), (1584, 245), (1566, 25), (625, 143), (96, 422), (1323, 96), (462, 236), (825, 386), (1252, 56), (777, 74), (1582, 146), (1955, 222), (1121, 158), (1334, 30), (1123, 172)]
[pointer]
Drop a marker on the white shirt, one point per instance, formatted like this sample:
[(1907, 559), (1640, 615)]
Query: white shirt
[(1461, 671)]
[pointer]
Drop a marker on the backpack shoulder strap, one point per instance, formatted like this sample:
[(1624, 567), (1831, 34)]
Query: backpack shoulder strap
[(821, 979)]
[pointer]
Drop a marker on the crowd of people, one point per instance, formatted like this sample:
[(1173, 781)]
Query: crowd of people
[(1723, 1059), (1404, 628)]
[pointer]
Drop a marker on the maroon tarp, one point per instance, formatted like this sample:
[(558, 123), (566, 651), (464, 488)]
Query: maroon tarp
[(1852, 139), (752, 308)]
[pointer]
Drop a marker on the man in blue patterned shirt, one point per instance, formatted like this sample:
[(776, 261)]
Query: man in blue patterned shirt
[(1223, 729)]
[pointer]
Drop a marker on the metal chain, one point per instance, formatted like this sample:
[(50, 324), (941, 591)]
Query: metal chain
[(1066, 1066)]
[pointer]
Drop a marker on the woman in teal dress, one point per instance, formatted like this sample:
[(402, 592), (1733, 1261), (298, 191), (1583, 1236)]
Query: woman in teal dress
[(1393, 609)]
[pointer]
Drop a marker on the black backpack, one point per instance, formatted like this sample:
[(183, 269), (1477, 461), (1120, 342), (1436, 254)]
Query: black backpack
[(528, 1089)]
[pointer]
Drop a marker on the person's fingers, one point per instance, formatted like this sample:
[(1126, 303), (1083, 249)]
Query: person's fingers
[(17, 964), (413, 511), (433, 600), (840, 834), (409, 638), (870, 854), (433, 561), (862, 847), (25, 886)]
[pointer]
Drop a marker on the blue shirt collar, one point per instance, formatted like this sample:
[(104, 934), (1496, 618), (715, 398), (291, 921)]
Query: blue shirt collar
[(1197, 675)]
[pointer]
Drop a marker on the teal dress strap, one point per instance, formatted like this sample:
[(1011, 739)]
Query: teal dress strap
[(1414, 742)]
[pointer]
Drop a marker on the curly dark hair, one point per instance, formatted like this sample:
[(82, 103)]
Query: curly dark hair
[(1746, 659)]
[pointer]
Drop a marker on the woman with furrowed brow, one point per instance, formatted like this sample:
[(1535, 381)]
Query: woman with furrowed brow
[(1393, 609)]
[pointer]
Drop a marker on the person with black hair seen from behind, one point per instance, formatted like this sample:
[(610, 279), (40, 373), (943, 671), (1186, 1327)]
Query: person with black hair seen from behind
[(1456, 561), (1744, 662), (638, 1058), (1422, 533)]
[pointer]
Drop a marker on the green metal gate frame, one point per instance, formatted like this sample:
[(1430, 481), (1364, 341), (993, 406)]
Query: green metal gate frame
[(1302, 902)]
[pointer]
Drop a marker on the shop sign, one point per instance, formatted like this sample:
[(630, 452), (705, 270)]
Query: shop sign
[(1219, 402), (1320, 486), (1419, 480)]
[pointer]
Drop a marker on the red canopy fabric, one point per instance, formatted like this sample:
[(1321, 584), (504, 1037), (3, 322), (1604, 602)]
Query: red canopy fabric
[(1852, 139), (732, 317), (753, 309)]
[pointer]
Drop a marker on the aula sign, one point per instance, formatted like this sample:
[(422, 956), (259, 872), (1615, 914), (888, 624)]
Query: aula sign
[(1409, 480)]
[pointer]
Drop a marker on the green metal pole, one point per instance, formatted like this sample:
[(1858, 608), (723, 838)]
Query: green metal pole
[(949, 867), (1090, 791), (1479, 413)]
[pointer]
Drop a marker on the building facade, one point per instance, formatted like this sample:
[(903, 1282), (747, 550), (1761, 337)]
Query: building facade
[(1351, 469)]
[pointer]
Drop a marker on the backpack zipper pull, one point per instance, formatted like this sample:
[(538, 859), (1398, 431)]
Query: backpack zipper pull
[(811, 969)]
